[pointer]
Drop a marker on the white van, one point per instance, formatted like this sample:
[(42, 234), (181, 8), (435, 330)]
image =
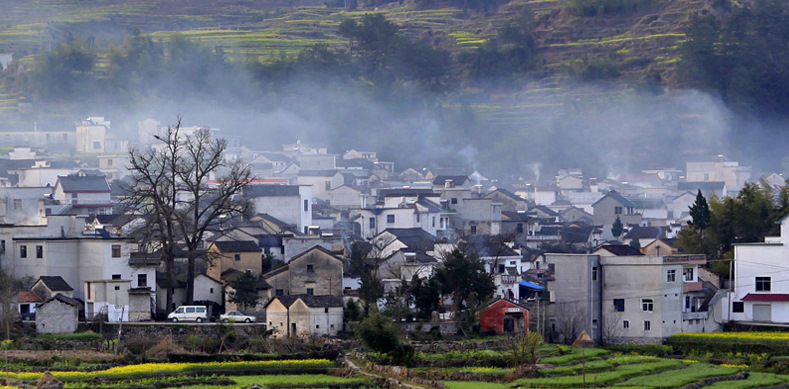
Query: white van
[(197, 313)]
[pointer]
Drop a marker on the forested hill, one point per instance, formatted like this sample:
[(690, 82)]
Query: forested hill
[(503, 76)]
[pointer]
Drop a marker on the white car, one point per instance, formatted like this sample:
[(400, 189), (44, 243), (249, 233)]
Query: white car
[(236, 316)]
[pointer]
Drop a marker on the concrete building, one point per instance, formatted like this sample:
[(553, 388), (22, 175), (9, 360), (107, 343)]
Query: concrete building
[(57, 315), (289, 203), (304, 316), (315, 272), (630, 298), (761, 290)]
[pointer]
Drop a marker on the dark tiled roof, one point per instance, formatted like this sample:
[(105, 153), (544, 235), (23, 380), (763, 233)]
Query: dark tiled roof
[(620, 249), (271, 190), (617, 197), (275, 157), (81, 182), (64, 299), (415, 239), (244, 246), (514, 216), (506, 193), (489, 246), (639, 232), (269, 240), (576, 234), (457, 180), (55, 283), (545, 210), (310, 301), (417, 257), (317, 173), (648, 202), (702, 185)]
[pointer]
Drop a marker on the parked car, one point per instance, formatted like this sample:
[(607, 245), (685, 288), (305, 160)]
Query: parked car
[(197, 313), (236, 317)]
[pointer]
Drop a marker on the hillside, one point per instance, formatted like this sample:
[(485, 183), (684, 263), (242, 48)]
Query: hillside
[(585, 63)]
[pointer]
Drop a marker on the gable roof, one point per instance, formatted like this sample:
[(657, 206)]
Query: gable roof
[(456, 180), (313, 248), (84, 181), (309, 300), (271, 190), (490, 246), (55, 283), (619, 250), (639, 232), (63, 299), (414, 238), (616, 197), (26, 296), (505, 193), (244, 246)]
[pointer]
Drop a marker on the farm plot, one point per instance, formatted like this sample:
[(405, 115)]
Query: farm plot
[(575, 368)]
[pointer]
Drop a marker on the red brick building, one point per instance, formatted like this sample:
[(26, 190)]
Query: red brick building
[(503, 316)]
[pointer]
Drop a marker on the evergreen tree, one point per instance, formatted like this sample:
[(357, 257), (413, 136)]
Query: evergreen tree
[(617, 229), (700, 213)]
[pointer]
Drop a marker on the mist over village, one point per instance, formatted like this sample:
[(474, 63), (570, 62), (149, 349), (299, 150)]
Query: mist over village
[(379, 194)]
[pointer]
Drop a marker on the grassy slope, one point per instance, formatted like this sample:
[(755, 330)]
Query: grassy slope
[(640, 43)]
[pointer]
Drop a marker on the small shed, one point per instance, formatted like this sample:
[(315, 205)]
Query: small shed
[(58, 315), (504, 316)]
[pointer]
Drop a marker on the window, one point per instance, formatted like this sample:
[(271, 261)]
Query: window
[(619, 305), (280, 292), (327, 185), (211, 290), (594, 273), (738, 307), (762, 284), (417, 218), (109, 163), (117, 288), (311, 291), (96, 145), (116, 276), (306, 205), (142, 280), (647, 305), (594, 323), (17, 204), (671, 275), (647, 325), (310, 268), (2, 246), (519, 228), (372, 222), (473, 230), (434, 221), (116, 251), (502, 268), (454, 200), (23, 251), (237, 257), (617, 210), (625, 324), (39, 251), (687, 274), (390, 219)]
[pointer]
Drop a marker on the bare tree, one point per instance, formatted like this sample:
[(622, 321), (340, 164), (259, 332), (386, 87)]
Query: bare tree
[(612, 327), (170, 187), (571, 320), (9, 286)]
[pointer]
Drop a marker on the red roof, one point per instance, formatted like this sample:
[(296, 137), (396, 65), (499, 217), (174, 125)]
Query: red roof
[(29, 297), (766, 297)]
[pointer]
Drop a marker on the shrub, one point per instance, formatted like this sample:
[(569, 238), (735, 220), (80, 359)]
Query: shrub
[(658, 350)]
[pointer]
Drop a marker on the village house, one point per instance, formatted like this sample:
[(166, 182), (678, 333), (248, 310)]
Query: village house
[(57, 315), (291, 204), (315, 272), (304, 316), (760, 294)]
